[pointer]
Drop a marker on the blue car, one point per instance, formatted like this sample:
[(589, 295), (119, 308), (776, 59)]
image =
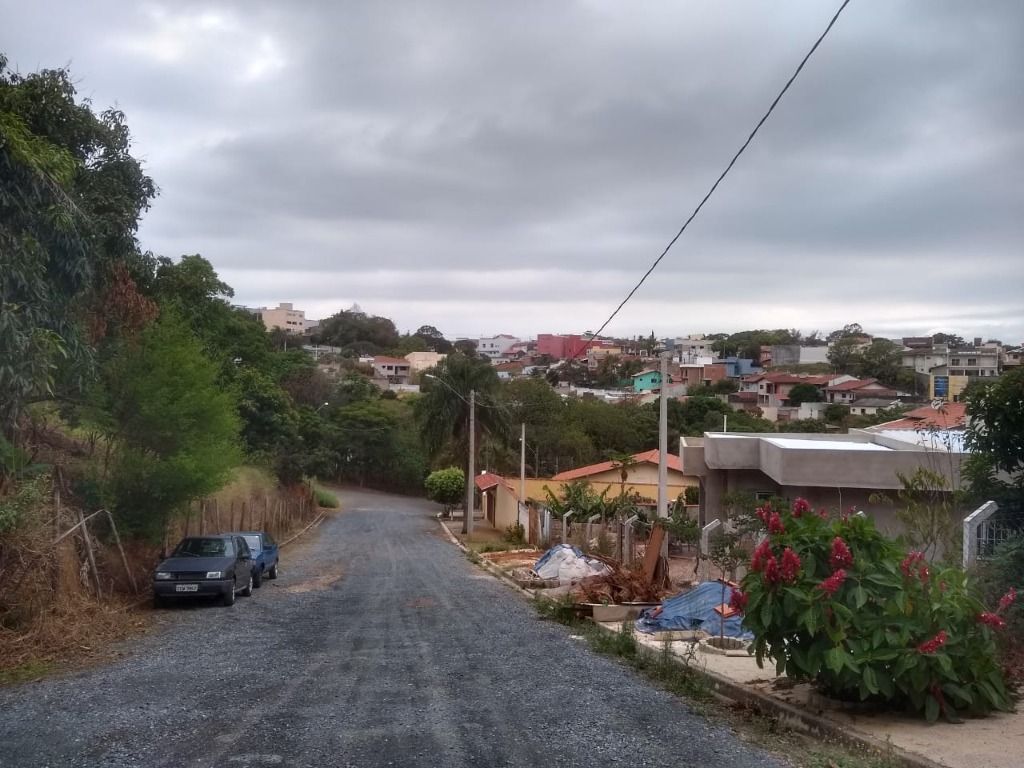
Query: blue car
[(265, 557)]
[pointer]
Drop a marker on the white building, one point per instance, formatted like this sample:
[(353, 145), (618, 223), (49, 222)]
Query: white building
[(496, 346)]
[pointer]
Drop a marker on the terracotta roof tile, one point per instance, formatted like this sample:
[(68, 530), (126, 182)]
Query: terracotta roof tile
[(647, 457)]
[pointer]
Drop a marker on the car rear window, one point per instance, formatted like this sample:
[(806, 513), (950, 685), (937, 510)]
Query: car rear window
[(205, 548), (253, 542)]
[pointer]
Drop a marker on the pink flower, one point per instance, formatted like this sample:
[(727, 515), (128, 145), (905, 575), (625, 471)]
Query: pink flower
[(790, 566), (992, 620), (801, 507), (1007, 600), (739, 600), (840, 557), (771, 570), (823, 513), (762, 514), (775, 524), (761, 553), (931, 646), (832, 584)]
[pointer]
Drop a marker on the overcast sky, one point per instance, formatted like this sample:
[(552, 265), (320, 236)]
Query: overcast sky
[(495, 167)]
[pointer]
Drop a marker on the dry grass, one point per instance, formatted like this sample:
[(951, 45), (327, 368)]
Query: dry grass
[(49, 616)]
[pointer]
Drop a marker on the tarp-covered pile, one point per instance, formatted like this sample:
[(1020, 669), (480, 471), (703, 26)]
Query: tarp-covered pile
[(567, 564), (694, 609)]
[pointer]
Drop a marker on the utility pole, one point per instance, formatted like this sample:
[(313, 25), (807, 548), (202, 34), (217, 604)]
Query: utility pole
[(467, 518), (522, 471), (663, 449)]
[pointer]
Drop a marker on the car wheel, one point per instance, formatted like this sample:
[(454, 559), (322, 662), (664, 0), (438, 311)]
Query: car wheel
[(228, 597), (272, 573), (247, 590), (257, 578)]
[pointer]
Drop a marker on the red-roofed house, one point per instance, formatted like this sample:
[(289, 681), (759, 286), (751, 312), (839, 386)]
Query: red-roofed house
[(642, 476), (948, 416), (499, 501), (773, 388), (846, 392)]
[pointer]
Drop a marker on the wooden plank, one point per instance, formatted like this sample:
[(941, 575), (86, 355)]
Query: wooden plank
[(653, 553)]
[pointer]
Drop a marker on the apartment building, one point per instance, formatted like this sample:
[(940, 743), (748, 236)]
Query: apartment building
[(285, 317)]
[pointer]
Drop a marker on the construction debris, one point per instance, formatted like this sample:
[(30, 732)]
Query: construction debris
[(700, 608), (622, 584)]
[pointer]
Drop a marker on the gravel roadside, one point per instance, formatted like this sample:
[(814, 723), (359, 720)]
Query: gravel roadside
[(379, 645)]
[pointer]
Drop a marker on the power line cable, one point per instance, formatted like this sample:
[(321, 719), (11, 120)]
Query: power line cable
[(718, 181)]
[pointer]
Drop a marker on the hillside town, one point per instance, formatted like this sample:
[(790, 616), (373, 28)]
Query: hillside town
[(526, 385)]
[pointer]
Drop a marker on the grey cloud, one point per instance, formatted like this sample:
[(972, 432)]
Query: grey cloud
[(433, 140)]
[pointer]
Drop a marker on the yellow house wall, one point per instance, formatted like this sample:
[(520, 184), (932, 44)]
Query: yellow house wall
[(642, 479)]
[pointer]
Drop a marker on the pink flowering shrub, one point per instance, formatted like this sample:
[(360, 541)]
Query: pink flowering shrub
[(834, 601)]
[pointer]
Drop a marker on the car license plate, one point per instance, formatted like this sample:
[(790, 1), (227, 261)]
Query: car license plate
[(186, 587)]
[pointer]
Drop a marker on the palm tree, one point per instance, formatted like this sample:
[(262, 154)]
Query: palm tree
[(443, 410)]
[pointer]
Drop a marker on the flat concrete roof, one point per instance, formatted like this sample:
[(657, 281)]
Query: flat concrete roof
[(824, 445)]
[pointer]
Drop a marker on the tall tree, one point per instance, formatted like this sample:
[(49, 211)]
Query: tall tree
[(443, 409), (173, 429), (70, 199)]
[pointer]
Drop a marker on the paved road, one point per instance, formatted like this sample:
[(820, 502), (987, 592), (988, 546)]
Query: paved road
[(413, 657)]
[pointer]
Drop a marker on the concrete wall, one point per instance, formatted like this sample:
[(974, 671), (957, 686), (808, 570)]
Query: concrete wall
[(501, 507)]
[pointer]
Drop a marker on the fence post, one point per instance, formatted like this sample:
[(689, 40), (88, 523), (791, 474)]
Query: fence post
[(627, 543), (705, 542), (89, 553), (565, 524), (971, 525), (590, 526), (124, 558)]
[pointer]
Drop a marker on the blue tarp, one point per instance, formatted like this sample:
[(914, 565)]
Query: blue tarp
[(694, 610)]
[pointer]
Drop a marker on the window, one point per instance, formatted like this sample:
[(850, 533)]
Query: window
[(955, 361), (972, 361), (763, 495)]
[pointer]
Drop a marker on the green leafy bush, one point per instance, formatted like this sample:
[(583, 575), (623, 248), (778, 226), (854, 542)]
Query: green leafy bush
[(447, 487), (515, 534), (836, 602), (325, 498)]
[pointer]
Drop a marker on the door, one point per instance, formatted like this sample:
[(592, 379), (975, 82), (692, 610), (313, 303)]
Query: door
[(243, 567)]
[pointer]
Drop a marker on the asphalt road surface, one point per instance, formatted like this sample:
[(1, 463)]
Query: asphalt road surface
[(380, 645)]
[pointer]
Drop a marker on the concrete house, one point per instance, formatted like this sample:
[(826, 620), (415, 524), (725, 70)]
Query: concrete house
[(394, 370), (499, 346), (649, 380), (832, 471), (421, 361)]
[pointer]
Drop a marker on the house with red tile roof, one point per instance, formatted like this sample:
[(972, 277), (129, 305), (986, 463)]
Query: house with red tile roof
[(847, 392), (929, 418), (773, 388), (641, 476)]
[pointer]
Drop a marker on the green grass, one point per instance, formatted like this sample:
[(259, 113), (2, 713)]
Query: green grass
[(32, 670), (325, 498)]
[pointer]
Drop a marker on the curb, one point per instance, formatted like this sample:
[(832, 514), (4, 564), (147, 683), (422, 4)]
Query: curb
[(790, 716), (482, 562), (798, 719)]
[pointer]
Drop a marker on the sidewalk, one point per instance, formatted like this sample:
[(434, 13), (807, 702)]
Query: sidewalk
[(996, 741)]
